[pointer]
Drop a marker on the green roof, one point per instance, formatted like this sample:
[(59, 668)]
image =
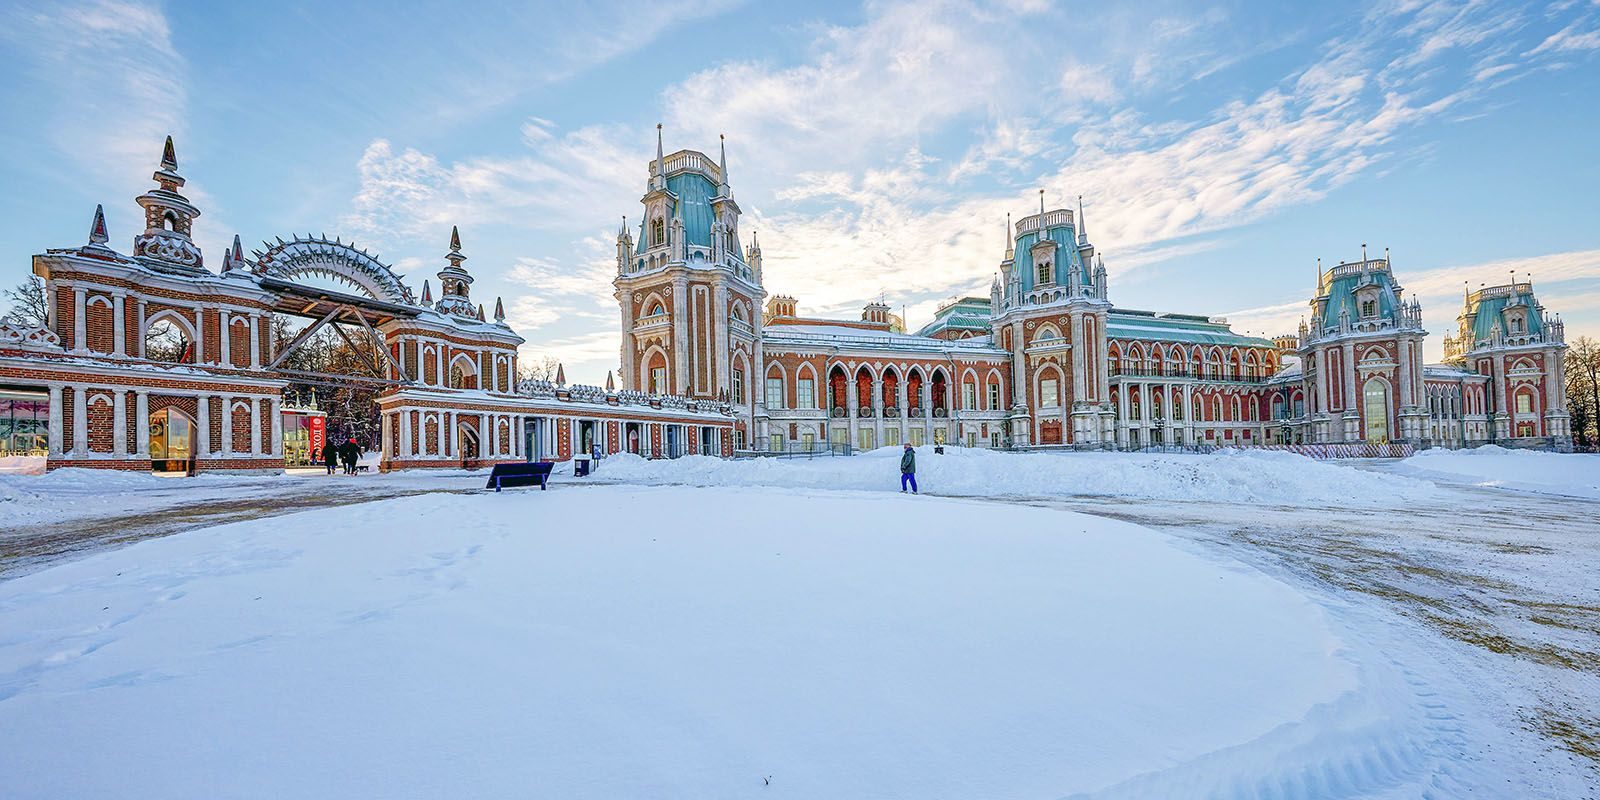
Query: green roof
[(1148, 325)]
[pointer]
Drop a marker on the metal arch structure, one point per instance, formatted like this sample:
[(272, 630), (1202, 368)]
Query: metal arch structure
[(335, 259)]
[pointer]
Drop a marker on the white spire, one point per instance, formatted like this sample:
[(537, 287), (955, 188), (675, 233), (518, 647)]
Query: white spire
[(724, 189), (1083, 235)]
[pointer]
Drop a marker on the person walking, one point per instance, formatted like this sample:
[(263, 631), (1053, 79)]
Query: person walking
[(908, 469), (330, 455), (348, 453)]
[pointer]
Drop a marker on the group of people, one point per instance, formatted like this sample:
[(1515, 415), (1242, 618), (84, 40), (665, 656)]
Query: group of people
[(346, 454)]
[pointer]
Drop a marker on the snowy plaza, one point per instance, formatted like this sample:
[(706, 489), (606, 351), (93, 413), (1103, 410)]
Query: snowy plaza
[(1235, 625)]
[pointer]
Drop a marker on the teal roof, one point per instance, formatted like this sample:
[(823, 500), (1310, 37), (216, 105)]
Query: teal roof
[(1341, 297), (1067, 255), (1486, 307), (1148, 325), (694, 193), (966, 314)]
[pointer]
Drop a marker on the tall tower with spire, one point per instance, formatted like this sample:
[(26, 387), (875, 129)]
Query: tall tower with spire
[(165, 244), (689, 291), (455, 284), (1050, 309)]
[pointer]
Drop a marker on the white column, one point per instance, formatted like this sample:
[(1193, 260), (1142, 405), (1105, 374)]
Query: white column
[(202, 425), (227, 425), (119, 329), (275, 444), (1405, 373), (225, 337), (256, 434), (200, 336), (141, 418), (721, 368), (80, 420), (80, 342), (443, 369), (403, 449), (680, 335), (55, 421), (255, 341), (138, 343)]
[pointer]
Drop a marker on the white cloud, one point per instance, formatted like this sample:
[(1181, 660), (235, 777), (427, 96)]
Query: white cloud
[(1571, 39)]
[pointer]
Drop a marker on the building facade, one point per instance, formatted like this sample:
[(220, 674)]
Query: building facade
[(150, 360), (1048, 361)]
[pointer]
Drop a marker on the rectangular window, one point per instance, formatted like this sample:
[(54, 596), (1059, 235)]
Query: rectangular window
[(777, 443), (805, 393), (865, 435), (916, 437), (738, 440), (774, 393), (969, 396), (972, 439), (738, 386), (808, 441), (658, 380), (1049, 393), (1524, 404), (994, 397), (891, 437), (841, 436)]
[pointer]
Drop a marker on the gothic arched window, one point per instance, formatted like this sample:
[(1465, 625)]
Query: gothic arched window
[(658, 231), (1044, 273)]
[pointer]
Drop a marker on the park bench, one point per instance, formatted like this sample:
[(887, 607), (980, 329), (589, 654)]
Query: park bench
[(526, 473)]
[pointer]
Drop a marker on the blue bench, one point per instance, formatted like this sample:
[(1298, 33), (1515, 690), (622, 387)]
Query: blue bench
[(527, 473)]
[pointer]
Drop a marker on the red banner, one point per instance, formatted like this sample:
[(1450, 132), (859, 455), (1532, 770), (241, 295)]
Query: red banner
[(318, 426)]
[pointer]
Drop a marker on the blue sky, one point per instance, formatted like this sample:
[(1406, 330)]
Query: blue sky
[(1220, 148)]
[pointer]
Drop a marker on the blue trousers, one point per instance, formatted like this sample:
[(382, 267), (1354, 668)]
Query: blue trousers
[(908, 477)]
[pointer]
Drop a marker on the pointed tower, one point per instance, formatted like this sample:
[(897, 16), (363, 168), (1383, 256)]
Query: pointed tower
[(624, 247), (97, 229), (427, 292), (165, 244), (455, 285), (499, 312), (233, 259)]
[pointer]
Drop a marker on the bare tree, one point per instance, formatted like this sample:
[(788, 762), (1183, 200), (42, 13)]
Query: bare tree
[(29, 303), (1583, 391), (543, 368)]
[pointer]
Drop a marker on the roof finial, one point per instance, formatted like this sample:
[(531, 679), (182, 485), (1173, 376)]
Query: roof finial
[(723, 164), (235, 257), (1083, 235), (427, 293), (1041, 211), (169, 156), (611, 386), (1386, 257), (455, 239), (499, 311), (1363, 252), (661, 160), (561, 374), (1011, 251), (454, 256), (97, 229)]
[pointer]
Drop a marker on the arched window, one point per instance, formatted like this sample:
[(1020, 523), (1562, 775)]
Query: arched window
[(1375, 410), (658, 231), (1369, 308), (165, 340), (656, 310), (1044, 273)]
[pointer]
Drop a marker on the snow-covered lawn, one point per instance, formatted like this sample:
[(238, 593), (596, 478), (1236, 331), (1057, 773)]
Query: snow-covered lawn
[(623, 641), (1573, 474), (1243, 476)]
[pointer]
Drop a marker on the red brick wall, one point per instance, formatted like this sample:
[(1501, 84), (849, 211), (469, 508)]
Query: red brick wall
[(241, 427), (264, 427), (68, 402), (66, 317), (214, 409), (239, 343), (131, 411), (430, 438), (102, 420), (100, 323)]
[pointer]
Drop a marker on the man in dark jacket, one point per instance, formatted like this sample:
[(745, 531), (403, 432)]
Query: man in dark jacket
[(908, 469), (330, 455), (348, 453)]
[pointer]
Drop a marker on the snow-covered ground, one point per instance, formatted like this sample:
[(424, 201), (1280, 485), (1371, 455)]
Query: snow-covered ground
[(1289, 629), (1573, 474), (1243, 476), (682, 642)]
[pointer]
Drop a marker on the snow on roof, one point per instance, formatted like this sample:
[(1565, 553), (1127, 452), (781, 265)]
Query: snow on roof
[(844, 336)]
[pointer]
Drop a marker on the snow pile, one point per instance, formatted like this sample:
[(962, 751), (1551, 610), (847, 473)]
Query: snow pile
[(1573, 474), (670, 642), (1245, 476)]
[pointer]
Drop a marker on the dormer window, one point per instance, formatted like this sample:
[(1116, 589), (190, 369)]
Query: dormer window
[(658, 231), (1044, 273), (1516, 324), (1369, 308)]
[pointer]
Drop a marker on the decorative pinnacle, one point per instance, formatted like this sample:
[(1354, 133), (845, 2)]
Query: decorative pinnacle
[(169, 156), (235, 259), (611, 386), (480, 312), (1041, 209), (499, 311), (427, 292), (561, 374), (97, 229), (723, 164), (455, 239)]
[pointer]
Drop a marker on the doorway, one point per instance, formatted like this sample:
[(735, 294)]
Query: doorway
[(171, 442)]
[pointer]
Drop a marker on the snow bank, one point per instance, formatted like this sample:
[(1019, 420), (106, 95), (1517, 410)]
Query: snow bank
[(670, 642), (1243, 476), (1573, 474)]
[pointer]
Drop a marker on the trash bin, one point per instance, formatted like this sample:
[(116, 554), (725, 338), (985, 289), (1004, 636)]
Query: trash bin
[(580, 467)]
